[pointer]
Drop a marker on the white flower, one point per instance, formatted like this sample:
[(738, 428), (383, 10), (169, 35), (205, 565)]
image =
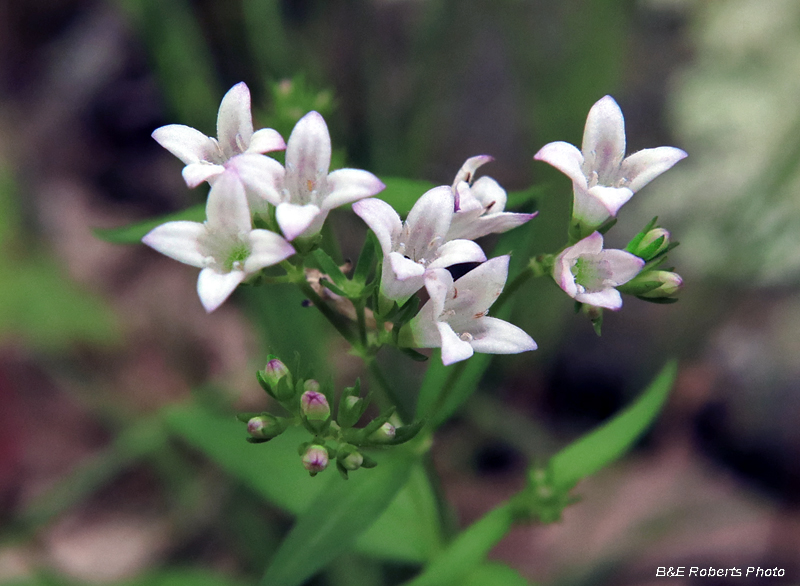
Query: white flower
[(455, 317), (307, 192), (589, 274), (225, 246), (479, 205), (204, 156), (418, 245), (602, 178)]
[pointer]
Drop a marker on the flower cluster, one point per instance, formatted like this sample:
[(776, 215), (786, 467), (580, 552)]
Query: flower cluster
[(260, 213)]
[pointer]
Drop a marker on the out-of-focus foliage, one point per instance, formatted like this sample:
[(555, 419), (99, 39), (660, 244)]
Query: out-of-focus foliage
[(736, 200)]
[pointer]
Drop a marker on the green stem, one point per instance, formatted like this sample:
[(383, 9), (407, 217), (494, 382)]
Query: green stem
[(387, 388)]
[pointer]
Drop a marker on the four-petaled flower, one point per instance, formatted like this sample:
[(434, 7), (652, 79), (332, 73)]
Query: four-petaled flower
[(479, 206), (412, 248), (306, 192), (602, 178), (455, 317), (589, 274), (225, 246), (205, 157)]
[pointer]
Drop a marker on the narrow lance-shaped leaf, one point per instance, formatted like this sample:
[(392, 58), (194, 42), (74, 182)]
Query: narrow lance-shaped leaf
[(133, 233)]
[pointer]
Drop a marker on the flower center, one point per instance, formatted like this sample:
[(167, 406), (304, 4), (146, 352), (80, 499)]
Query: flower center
[(591, 272), (236, 257)]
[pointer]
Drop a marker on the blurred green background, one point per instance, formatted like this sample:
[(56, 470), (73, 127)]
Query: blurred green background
[(105, 351)]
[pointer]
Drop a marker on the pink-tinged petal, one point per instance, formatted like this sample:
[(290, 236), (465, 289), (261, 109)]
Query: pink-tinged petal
[(266, 249), (266, 140), (226, 208), (587, 209), (603, 144), (642, 167), (316, 224), (295, 219), (485, 282), (455, 252), (608, 298), (429, 219), (624, 265), (187, 143), (195, 173), (308, 158), (562, 274), (404, 268), (178, 240), (424, 330), (491, 195), (566, 158), (592, 244), (214, 288), (612, 198), (490, 224), (454, 349), (467, 171), (234, 121), (438, 283), (350, 185), (381, 219), (261, 176), (392, 287), (495, 336)]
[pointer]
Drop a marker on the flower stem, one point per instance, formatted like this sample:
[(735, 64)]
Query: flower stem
[(387, 388)]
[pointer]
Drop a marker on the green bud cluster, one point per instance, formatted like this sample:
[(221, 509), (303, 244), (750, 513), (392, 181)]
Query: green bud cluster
[(334, 439), (653, 283), (540, 499)]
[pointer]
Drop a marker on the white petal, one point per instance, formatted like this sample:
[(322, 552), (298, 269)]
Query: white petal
[(349, 185), (608, 298), (644, 166), (457, 251), (266, 140), (612, 198), (395, 289), (604, 140), (195, 173), (381, 219), (262, 177), (489, 224), (592, 244), (226, 208), (454, 349), (214, 288), (562, 274), (438, 283), (587, 209), (266, 249), (495, 336), (187, 143), (316, 224), (566, 158), (234, 121), (485, 282), (491, 195), (404, 268), (424, 328), (295, 219), (467, 171), (429, 219), (178, 240), (308, 158), (624, 265)]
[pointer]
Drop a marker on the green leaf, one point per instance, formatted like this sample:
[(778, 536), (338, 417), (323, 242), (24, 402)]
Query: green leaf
[(182, 577), (328, 267), (402, 194), (496, 574), (331, 524), (133, 233), (467, 550), (602, 446), (519, 198), (366, 258)]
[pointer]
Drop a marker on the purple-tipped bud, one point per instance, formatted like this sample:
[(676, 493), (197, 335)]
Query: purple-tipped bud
[(385, 433), (275, 370), (314, 405), (669, 285), (315, 459), (655, 242), (265, 427)]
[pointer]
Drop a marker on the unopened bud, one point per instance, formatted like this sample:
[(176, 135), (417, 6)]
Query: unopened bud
[(314, 405), (275, 371), (669, 285), (652, 244), (265, 427), (351, 460), (385, 433), (315, 459)]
